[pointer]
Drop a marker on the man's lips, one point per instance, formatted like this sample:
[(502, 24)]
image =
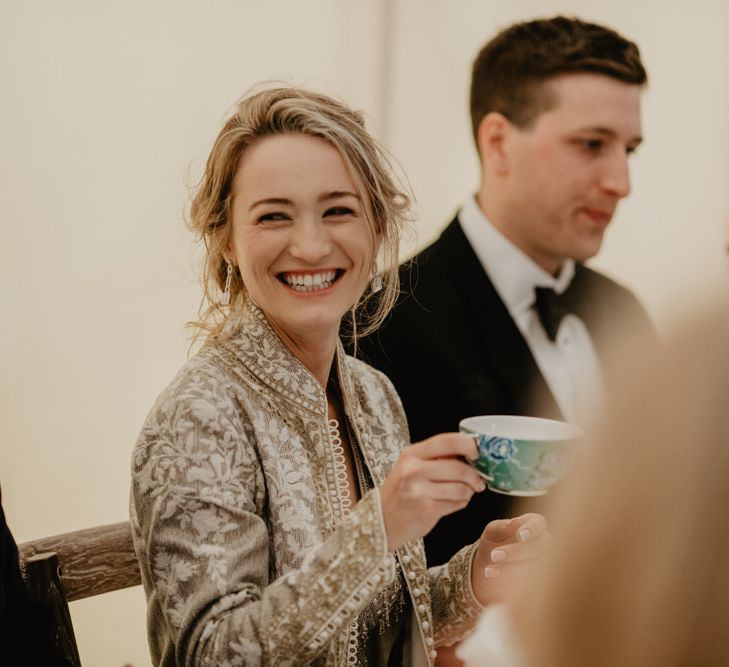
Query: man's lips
[(599, 216)]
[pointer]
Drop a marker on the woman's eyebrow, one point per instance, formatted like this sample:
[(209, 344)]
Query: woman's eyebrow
[(271, 200), (337, 194)]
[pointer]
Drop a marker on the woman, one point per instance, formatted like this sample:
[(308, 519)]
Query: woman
[(277, 508)]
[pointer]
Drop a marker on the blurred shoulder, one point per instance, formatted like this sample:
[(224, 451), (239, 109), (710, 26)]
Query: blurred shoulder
[(598, 280), (609, 295)]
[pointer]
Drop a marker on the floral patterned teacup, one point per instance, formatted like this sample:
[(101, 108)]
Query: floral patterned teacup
[(521, 456)]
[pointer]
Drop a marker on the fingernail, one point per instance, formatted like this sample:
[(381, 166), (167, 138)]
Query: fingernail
[(490, 572), (498, 554), (523, 535)]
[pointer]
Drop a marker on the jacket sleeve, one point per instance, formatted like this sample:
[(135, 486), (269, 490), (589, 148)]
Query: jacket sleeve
[(198, 512), (455, 607)]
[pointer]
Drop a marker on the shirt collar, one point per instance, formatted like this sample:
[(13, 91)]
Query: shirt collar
[(513, 274)]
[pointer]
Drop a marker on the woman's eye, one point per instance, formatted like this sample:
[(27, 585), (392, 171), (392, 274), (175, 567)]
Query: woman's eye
[(272, 217), (339, 211)]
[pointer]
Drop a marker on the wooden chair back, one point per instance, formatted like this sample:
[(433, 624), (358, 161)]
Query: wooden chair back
[(76, 565)]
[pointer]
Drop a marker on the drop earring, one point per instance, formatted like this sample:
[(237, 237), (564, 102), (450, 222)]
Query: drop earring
[(376, 284), (225, 299)]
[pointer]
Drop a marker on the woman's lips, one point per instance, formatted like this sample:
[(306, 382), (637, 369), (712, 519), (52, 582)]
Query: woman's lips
[(308, 282)]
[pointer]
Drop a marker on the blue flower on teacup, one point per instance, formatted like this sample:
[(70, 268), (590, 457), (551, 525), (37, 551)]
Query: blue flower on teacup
[(500, 450)]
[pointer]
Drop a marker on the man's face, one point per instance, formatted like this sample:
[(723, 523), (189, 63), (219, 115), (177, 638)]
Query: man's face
[(568, 170)]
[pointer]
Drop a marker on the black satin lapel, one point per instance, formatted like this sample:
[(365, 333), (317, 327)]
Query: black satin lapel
[(507, 351)]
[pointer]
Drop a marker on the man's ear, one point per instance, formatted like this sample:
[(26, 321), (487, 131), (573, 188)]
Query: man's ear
[(493, 133)]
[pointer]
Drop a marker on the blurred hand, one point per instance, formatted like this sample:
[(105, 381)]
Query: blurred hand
[(506, 551), (428, 481)]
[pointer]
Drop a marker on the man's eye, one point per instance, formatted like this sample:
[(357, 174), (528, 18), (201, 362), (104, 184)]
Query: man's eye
[(592, 145)]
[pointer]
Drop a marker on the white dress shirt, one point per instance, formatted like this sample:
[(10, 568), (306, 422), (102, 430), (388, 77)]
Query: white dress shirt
[(569, 365)]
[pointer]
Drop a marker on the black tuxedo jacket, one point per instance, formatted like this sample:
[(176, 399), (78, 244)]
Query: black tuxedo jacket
[(452, 350)]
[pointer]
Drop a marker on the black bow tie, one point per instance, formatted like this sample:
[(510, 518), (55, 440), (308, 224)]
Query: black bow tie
[(551, 308)]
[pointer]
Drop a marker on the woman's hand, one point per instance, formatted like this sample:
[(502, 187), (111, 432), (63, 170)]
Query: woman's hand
[(506, 551), (428, 481)]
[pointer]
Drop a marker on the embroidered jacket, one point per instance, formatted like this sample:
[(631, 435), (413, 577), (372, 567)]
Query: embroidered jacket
[(238, 522)]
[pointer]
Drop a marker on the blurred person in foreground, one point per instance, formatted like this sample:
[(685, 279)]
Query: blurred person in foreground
[(277, 505), (638, 575), (500, 315)]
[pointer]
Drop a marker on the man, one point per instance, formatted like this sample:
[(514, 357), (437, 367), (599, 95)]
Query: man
[(555, 107)]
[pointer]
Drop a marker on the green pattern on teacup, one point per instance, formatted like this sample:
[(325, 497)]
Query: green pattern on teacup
[(532, 468), (521, 466)]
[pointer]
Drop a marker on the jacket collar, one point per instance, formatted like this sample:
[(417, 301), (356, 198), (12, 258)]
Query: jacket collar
[(258, 347)]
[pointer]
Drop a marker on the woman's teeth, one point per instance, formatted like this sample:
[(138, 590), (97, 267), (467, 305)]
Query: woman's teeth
[(309, 282)]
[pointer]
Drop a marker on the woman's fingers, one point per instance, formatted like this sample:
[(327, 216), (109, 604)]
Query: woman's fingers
[(448, 491), (418, 466), (507, 549), (451, 470), (532, 548), (445, 445), (519, 529), (429, 480)]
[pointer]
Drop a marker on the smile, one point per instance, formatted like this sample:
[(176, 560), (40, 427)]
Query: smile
[(310, 282)]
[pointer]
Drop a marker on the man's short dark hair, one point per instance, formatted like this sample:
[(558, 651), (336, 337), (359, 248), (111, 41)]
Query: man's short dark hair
[(510, 69)]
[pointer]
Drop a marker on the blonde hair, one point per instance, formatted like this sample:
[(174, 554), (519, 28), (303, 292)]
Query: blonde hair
[(289, 110), (639, 575)]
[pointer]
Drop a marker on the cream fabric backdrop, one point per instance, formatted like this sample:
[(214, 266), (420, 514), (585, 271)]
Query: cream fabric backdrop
[(108, 112)]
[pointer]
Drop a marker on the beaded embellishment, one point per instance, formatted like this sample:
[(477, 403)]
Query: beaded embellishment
[(387, 606), (340, 467)]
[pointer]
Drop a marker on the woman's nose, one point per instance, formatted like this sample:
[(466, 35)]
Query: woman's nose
[(310, 241)]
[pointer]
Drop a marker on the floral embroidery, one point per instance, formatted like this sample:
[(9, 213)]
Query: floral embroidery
[(455, 607), (245, 554)]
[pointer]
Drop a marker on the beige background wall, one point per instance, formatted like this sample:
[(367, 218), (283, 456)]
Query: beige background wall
[(108, 111)]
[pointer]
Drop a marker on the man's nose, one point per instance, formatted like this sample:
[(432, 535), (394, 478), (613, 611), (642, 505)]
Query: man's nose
[(310, 240), (616, 174)]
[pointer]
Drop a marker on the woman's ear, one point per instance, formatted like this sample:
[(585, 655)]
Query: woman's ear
[(492, 136)]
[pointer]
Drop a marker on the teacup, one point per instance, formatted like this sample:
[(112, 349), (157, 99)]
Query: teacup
[(521, 456)]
